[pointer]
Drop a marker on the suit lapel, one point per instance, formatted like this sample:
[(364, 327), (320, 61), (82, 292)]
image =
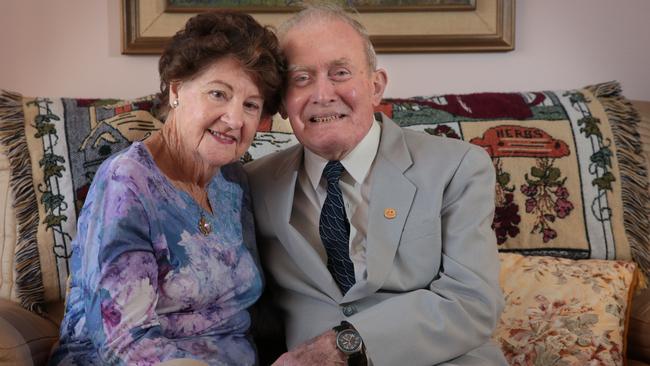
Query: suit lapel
[(281, 194), (390, 190)]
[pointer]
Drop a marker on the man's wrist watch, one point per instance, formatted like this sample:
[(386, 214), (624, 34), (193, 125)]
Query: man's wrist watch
[(349, 341)]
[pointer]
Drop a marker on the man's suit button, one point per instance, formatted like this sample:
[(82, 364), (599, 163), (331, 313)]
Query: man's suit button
[(349, 310)]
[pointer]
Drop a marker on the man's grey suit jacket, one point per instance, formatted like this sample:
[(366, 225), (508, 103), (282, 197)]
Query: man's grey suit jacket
[(432, 293)]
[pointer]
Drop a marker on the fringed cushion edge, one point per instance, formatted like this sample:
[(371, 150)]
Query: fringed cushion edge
[(624, 120), (29, 280)]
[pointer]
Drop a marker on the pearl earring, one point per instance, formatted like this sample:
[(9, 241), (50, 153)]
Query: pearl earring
[(175, 103)]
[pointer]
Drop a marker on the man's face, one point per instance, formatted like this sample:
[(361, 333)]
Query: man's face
[(331, 90)]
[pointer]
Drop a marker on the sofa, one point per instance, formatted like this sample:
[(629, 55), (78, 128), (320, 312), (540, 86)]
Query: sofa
[(571, 216)]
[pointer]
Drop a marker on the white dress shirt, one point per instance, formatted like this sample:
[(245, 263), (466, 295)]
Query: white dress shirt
[(311, 192)]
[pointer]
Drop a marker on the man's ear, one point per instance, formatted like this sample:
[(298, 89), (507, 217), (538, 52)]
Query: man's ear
[(379, 81)]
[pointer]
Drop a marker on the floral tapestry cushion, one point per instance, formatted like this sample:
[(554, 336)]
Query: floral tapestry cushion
[(564, 312), (54, 146), (571, 177)]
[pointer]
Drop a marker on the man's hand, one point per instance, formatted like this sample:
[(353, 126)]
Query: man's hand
[(316, 351)]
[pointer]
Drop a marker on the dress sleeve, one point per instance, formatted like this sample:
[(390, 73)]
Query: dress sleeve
[(121, 276)]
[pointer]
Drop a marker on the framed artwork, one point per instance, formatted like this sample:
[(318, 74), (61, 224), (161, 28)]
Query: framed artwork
[(281, 6), (422, 26)]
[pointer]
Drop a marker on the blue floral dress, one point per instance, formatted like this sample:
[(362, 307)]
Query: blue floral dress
[(146, 284)]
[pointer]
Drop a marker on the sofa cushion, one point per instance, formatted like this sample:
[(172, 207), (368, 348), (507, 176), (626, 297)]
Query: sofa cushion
[(571, 179), (571, 176), (562, 309), (54, 146), (25, 338)]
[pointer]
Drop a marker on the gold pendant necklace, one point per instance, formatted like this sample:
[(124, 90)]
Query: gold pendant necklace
[(204, 226)]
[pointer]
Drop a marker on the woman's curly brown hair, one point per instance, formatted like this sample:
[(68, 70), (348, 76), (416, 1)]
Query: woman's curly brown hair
[(208, 37)]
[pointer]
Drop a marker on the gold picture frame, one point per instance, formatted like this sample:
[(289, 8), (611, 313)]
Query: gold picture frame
[(147, 26), (270, 6)]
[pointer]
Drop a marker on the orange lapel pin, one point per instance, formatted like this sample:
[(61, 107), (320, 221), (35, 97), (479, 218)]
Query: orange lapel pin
[(390, 213)]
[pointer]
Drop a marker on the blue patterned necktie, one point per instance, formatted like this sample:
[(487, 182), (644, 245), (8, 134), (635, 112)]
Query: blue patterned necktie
[(334, 229)]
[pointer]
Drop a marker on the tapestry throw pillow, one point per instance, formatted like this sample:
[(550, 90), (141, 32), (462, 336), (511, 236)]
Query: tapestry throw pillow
[(571, 175), (571, 178), (54, 147), (564, 312)]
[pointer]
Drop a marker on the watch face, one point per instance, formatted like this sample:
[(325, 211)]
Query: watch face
[(348, 341)]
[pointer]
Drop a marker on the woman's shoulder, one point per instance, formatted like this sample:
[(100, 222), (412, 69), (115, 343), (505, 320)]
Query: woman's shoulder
[(132, 162)]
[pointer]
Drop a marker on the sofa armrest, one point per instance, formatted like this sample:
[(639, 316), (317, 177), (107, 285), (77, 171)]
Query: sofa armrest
[(638, 338), (25, 338)]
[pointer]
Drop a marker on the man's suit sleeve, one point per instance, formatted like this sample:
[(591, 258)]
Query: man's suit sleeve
[(459, 310)]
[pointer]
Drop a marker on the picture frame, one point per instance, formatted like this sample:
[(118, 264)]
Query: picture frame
[(489, 27), (270, 6)]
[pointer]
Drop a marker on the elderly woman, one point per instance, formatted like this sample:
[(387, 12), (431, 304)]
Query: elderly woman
[(164, 264)]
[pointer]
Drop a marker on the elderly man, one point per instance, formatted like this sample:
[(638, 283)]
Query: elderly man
[(377, 239)]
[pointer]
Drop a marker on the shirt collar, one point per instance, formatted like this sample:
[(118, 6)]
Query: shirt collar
[(357, 163)]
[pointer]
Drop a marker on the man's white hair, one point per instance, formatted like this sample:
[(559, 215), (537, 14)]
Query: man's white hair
[(328, 11)]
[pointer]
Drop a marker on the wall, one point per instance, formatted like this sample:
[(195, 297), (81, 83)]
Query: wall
[(72, 48)]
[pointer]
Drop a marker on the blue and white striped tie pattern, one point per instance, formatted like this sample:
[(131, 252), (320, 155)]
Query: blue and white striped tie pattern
[(335, 229)]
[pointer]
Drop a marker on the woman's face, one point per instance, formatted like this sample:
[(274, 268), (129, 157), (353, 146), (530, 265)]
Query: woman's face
[(218, 112)]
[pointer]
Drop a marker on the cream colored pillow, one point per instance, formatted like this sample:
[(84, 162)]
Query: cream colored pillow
[(564, 312)]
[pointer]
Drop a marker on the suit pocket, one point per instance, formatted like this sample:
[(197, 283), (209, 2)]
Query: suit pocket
[(417, 261), (421, 229)]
